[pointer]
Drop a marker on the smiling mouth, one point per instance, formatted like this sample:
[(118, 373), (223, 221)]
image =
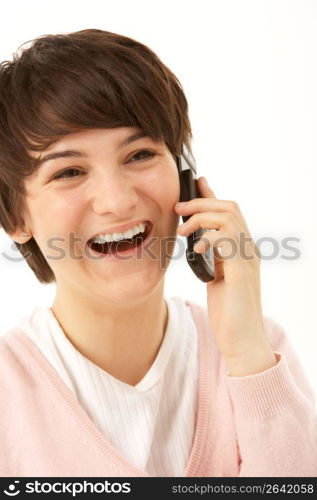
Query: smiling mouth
[(114, 247)]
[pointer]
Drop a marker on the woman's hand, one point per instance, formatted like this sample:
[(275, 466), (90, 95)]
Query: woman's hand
[(234, 297)]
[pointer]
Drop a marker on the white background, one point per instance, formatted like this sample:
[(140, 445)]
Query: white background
[(248, 69)]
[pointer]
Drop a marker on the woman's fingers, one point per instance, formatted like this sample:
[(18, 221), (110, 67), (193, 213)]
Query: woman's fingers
[(204, 188), (209, 203), (209, 221)]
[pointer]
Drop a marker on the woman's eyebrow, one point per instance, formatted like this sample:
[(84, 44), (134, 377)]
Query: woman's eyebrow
[(70, 153)]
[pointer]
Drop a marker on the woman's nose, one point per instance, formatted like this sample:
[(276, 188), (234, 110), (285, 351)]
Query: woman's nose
[(114, 194)]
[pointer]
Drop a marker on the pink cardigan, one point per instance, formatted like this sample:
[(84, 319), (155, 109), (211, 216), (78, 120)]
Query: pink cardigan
[(258, 425)]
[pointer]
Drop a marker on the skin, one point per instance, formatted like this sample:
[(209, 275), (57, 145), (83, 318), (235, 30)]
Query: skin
[(234, 296), (114, 313)]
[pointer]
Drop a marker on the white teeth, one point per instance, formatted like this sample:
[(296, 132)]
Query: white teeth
[(117, 236), (103, 238), (128, 234)]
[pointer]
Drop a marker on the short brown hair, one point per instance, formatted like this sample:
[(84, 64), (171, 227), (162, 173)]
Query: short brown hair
[(69, 82)]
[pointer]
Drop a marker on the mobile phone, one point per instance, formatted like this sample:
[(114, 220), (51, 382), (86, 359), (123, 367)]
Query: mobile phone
[(202, 264)]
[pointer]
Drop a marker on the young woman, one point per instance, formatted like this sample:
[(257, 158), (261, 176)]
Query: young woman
[(115, 379)]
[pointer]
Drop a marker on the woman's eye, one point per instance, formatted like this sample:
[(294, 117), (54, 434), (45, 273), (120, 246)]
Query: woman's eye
[(148, 154), (68, 172), (63, 174)]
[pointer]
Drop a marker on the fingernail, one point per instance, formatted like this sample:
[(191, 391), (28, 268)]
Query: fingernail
[(199, 246), (181, 203), (182, 226)]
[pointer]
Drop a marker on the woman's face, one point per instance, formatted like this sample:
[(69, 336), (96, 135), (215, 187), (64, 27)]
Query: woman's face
[(106, 186)]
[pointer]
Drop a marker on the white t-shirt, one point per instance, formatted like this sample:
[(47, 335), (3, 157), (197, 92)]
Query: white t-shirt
[(152, 424)]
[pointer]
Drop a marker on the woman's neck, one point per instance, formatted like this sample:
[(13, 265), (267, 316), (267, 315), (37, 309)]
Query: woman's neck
[(123, 342)]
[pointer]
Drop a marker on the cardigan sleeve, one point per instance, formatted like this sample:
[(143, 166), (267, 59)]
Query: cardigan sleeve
[(275, 415)]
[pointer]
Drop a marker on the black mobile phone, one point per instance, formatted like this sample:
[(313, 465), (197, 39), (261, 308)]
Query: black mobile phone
[(202, 264)]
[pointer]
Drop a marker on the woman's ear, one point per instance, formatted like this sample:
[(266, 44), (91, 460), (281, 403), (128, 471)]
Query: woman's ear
[(20, 236)]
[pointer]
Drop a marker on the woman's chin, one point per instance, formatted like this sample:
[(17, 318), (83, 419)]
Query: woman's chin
[(130, 286)]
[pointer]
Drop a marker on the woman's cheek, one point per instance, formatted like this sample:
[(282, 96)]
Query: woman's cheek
[(53, 227), (167, 187)]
